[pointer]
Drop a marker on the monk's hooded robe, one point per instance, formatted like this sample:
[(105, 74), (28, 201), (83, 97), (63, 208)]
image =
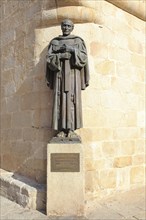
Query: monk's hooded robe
[(67, 78)]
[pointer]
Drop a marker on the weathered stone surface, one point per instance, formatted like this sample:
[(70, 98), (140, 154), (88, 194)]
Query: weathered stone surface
[(84, 14), (137, 175), (136, 8), (91, 181), (123, 177), (122, 161), (66, 189), (113, 104), (128, 147), (107, 178), (111, 148), (22, 190), (139, 146), (129, 205), (126, 133), (139, 159)]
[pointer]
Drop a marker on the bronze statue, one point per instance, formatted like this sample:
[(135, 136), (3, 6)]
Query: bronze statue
[(67, 74)]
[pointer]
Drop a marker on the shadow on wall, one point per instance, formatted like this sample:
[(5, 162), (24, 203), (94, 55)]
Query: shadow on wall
[(36, 100), (30, 105), (27, 125), (30, 194)]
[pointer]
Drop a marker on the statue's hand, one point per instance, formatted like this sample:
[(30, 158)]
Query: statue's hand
[(65, 56), (69, 49), (62, 49), (66, 48)]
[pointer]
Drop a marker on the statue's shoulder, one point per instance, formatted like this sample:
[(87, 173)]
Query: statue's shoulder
[(78, 39), (55, 41)]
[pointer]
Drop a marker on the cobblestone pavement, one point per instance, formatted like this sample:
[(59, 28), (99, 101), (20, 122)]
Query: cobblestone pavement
[(129, 205)]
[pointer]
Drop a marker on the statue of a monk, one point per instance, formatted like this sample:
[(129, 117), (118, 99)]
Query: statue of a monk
[(67, 74)]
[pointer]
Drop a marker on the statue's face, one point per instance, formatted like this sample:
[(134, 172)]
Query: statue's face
[(67, 28)]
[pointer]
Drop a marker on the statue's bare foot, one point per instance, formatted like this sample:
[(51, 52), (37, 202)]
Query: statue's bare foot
[(61, 134), (72, 134)]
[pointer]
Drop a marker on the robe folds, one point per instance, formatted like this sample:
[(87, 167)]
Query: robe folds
[(67, 78)]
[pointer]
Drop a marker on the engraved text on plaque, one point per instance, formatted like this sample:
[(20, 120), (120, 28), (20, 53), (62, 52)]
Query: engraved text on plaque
[(65, 162)]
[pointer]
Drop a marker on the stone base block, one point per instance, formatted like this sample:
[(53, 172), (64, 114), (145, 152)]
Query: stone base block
[(65, 180), (22, 190)]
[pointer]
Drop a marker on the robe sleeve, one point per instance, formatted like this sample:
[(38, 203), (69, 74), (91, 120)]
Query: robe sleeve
[(80, 54), (52, 66), (81, 62), (53, 59)]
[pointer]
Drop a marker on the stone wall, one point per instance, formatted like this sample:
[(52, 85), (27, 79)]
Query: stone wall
[(25, 103), (113, 104)]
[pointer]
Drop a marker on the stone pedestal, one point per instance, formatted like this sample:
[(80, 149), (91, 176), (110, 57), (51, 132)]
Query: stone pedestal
[(65, 180)]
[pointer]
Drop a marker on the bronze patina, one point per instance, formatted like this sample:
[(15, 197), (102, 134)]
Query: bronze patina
[(65, 162), (67, 74)]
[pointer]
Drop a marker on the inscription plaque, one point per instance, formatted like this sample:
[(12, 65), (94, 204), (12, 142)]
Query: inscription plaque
[(65, 162)]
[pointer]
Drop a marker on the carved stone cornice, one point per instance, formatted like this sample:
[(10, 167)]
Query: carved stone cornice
[(81, 11), (136, 8), (78, 14)]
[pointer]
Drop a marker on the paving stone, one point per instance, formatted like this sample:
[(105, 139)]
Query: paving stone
[(129, 205), (22, 190), (12, 211)]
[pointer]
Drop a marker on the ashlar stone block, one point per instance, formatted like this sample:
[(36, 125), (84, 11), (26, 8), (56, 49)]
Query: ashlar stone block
[(137, 175), (122, 161), (108, 178)]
